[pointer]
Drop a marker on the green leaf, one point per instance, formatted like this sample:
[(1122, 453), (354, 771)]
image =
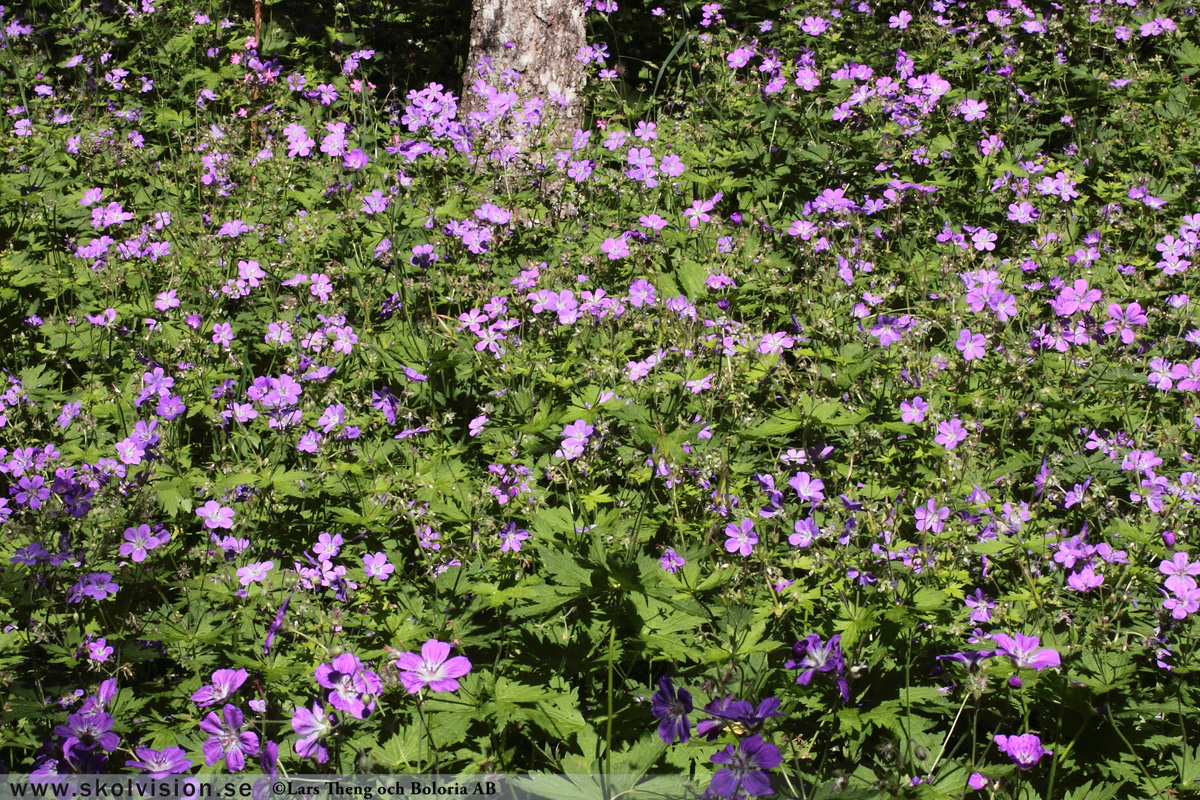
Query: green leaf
[(692, 277), (289, 482), (564, 569), (402, 750), (930, 599)]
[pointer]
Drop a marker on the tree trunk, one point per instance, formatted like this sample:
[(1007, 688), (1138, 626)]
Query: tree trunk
[(540, 39)]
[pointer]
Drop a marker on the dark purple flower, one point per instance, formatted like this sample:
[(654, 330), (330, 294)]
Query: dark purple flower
[(811, 657), (227, 740), (969, 660), (722, 708), (98, 585), (672, 706), (350, 682), (161, 763), (87, 730), (269, 760), (274, 627), (729, 711), (744, 771)]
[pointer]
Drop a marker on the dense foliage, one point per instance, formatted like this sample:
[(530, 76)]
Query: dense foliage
[(819, 421)]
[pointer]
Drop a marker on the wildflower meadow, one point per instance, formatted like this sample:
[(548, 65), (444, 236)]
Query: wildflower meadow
[(815, 420)]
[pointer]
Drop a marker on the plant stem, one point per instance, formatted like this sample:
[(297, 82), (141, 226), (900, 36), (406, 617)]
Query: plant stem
[(612, 637)]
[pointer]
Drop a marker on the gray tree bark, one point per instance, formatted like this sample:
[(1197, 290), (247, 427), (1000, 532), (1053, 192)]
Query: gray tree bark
[(539, 39)]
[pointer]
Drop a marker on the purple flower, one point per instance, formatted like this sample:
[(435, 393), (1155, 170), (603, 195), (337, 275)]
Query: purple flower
[(814, 26), (234, 229), (227, 740), (615, 248), (161, 763), (215, 515), (1076, 297), (808, 487), (1024, 652), (254, 573), (138, 542), (806, 532), (671, 561), (727, 710), (641, 293), (1186, 599), (433, 668), (97, 585), (811, 657), (377, 566), (423, 256), (1025, 750), (972, 346), (86, 730), (699, 212), (981, 607), (1085, 579), (931, 518), (672, 706), (224, 683), (313, 726), (223, 334), (950, 434), (511, 537), (30, 555), (970, 660), (328, 545), (375, 203), (490, 212), (274, 627), (972, 110), (350, 682), (1180, 565), (913, 411), (744, 771), (741, 537)]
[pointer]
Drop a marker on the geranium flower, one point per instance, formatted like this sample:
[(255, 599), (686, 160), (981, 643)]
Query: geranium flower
[(227, 740), (1024, 652), (224, 683), (160, 763), (215, 515), (1025, 750), (741, 537), (745, 764), (377, 566), (930, 517), (432, 668), (138, 542), (312, 726), (672, 706), (86, 730), (950, 433), (811, 657), (350, 682), (254, 573)]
